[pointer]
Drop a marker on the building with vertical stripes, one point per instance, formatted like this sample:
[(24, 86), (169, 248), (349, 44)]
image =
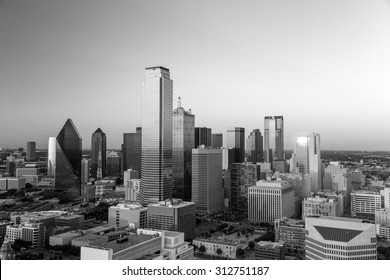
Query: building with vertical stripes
[(268, 201)]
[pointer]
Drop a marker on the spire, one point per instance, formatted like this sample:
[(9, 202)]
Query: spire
[(6, 252), (179, 102)]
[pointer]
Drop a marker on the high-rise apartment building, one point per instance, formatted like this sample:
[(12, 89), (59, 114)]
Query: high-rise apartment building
[(236, 140), (31, 146), (217, 140), (207, 189), (156, 155), (254, 146), (131, 148), (68, 160), (98, 145), (268, 201), (173, 215), (308, 155), (202, 137), (336, 238), (273, 138), (183, 143)]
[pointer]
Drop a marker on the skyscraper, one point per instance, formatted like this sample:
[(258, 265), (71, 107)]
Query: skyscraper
[(68, 160), (236, 140), (273, 138), (308, 154), (51, 156), (31, 146), (156, 155), (202, 137), (98, 144), (254, 146), (131, 148), (207, 189), (216, 140), (183, 142)]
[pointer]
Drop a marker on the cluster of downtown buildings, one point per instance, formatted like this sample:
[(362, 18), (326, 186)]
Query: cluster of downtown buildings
[(173, 171)]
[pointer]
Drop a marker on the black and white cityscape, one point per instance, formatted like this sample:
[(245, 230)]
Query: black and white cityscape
[(164, 130)]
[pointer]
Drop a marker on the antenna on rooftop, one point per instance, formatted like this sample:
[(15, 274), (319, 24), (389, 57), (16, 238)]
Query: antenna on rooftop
[(179, 102)]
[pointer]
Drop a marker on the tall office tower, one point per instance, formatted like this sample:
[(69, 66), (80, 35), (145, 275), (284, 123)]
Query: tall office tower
[(51, 156), (308, 156), (254, 146), (98, 145), (183, 142), (268, 201), (228, 155), (207, 189), (173, 215), (68, 160), (31, 146), (236, 140), (131, 148), (242, 176), (202, 137), (217, 140), (273, 138), (85, 167), (336, 238), (156, 155), (332, 170), (114, 164)]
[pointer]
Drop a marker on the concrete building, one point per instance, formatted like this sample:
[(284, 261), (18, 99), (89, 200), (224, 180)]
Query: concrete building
[(268, 201), (64, 238), (132, 190), (292, 233), (334, 168), (382, 222), (207, 189), (128, 175), (126, 214), (10, 183), (145, 244), (228, 247), (32, 231), (266, 250), (364, 204), (335, 238), (173, 215), (321, 206)]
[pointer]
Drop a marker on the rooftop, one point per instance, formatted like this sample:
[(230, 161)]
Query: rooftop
[(133, 240), (337, 234)]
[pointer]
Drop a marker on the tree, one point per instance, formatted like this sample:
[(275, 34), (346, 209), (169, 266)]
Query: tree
[(251, 244), (240, 252), (387, 254), (202, 249), (381, 250), (219, 251)]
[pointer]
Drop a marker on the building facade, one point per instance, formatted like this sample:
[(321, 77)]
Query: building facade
[(157, 119), (236, 140), (131, 148), (98, 145), (273, 138), (254, 146)]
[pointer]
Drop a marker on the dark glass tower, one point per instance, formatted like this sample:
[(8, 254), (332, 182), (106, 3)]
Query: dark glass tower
[(236, 140), (183, 143), (202, 136), (273, 138), (156, 155), (31, 146), (98, 144), (131, 148), (217, 140), (255, 146), (68, 160)]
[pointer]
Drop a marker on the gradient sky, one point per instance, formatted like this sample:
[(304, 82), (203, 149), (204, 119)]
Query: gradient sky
[(323, 65)]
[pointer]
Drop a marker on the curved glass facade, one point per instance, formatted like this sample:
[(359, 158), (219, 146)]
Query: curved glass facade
[(51, 156)]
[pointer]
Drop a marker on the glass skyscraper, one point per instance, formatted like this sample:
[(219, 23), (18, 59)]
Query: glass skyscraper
[(31, 146), (254, 146), (273, 138), (236, 140), (132, 143), (157, 119), (183, 142), (202, 136), (68, 160), (98, 144)]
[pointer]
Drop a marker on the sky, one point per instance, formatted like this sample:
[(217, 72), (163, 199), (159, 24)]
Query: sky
[(323, 65)]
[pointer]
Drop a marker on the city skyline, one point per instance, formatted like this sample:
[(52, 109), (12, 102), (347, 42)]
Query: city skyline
[(319, 62)]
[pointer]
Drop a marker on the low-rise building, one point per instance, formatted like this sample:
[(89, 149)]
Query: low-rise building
[(125, 214), (320, 206), (266, 250), (292, 233), (65, 238), (228, 247)]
